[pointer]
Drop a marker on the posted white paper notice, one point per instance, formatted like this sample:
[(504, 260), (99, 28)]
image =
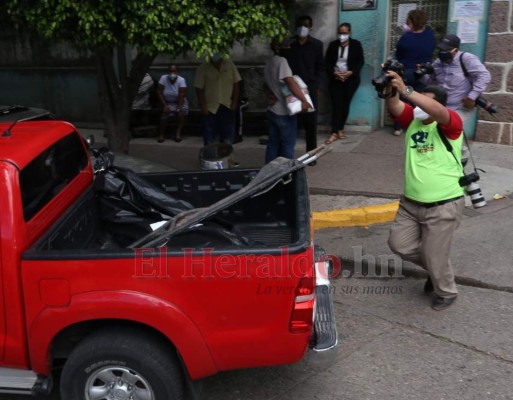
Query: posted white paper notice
[(468, 9), (468, 31)]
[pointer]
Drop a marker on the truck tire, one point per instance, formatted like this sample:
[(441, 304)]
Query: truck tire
[(122, 364)]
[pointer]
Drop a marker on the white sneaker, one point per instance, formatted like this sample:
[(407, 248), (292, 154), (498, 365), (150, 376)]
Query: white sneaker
[(398, 132)]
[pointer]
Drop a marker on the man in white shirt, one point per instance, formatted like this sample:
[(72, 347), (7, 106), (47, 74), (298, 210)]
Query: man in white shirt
[(282, 126)]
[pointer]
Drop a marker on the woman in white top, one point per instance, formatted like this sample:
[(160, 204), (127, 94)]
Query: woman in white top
[(344, 60), (172, 91)]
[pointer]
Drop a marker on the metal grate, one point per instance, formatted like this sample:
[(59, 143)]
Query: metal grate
[(437, 19)]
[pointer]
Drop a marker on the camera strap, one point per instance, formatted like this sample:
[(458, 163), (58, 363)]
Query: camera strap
[(446, 143), (465, 70), (449, 148)]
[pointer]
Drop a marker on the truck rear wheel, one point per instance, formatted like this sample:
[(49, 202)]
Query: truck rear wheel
[(119, 364)]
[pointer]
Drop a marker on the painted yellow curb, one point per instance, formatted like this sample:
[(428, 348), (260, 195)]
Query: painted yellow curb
[(362, 216)]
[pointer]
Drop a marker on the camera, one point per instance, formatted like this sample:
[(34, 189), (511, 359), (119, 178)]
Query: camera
[(423, 69), (486, 105), (466, 180), (473, 189), (382, 81)]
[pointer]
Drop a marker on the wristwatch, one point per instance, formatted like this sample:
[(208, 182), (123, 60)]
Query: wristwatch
[(408, 91)]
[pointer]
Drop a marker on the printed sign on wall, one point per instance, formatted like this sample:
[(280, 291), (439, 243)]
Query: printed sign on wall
[(358, 5)]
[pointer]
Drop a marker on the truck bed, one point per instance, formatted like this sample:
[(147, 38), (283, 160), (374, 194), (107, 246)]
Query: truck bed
[(268, 221)]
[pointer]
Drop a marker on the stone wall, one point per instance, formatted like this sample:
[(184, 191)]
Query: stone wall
[(498, 128)]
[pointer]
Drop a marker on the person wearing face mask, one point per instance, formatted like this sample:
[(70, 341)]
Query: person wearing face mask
[(415, 46), (306, 60), (448, 72), (344, 60), (431, 207), (217, 84), (172, 92)]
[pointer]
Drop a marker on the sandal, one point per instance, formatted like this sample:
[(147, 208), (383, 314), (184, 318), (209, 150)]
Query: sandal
[(333, 138), (341, 135)]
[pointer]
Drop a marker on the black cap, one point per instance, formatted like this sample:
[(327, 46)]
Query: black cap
[(449, 42)]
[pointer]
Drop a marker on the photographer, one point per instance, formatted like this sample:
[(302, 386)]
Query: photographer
[(432, 206), (461, 74)]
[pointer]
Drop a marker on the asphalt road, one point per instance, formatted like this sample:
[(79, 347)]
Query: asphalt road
[(393, 346)]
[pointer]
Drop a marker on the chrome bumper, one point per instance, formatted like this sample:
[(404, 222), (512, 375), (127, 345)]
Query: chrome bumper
[(324, 341)]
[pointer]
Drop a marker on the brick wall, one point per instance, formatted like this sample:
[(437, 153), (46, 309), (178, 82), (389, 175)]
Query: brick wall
[(498, 128)]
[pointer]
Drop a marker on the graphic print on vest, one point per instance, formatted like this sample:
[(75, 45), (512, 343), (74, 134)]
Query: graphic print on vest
[(419, 142)]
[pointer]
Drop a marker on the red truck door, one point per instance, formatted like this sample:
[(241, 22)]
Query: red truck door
[(2, 307)]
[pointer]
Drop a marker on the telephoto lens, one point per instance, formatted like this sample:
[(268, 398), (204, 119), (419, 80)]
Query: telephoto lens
[(476, 196), (486, 105)]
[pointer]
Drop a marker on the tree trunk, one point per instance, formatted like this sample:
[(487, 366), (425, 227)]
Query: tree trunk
[(117, 92)]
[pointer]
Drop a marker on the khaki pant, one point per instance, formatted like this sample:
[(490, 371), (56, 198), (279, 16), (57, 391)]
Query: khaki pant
[(423, 236)]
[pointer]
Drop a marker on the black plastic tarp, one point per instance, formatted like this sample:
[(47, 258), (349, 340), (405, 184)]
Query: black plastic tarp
[(129, 203)]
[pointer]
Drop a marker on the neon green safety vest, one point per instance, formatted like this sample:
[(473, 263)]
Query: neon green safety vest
[(431, 172)]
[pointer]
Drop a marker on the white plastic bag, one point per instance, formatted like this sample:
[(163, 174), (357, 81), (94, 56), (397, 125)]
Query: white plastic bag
[(293, 103)]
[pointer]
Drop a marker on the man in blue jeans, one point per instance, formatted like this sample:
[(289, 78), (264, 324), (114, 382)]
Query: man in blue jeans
[(282, 126)]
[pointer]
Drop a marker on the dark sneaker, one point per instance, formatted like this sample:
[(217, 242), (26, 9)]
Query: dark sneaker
[(441, 303), (428, 286)]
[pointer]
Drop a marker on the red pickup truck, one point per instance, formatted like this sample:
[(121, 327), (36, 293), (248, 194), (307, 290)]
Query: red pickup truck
[(231, 281)]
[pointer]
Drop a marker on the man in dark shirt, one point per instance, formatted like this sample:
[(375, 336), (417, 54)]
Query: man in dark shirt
[(306, 60)]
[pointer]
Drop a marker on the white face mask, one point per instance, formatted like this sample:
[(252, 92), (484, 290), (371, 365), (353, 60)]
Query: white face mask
[(173, 76), (302, 31), (343, 37), (419, 113), (406, 28)]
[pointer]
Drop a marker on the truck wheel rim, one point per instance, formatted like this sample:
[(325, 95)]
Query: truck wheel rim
[(118, 383)]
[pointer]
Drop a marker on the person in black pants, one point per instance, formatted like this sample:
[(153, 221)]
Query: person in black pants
[(306, 60), (344, 60)]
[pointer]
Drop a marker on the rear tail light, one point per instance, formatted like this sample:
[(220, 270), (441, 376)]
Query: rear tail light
[(302, 313)]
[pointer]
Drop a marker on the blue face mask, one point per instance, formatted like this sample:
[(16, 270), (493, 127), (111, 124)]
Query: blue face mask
[(445, 56), (216, 57)]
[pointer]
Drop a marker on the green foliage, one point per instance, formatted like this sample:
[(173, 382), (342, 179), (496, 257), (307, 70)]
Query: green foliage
[(110, 27), (152, 26)]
